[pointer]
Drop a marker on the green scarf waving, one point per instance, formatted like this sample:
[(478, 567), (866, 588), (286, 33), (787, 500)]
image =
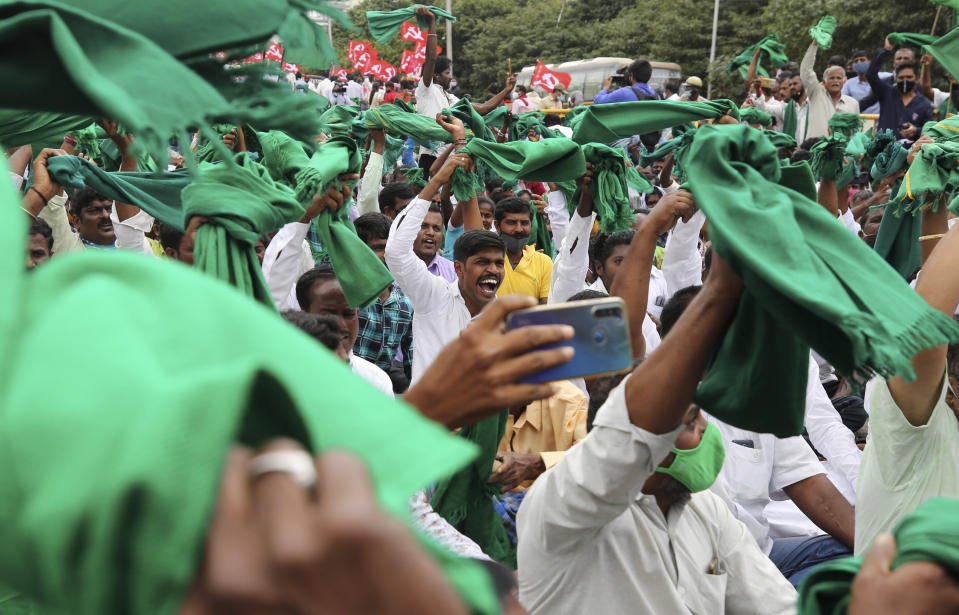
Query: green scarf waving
[(385, 24), (772, 52), (828, 290), (608, 188), (547, 160), (614, 121), (822, 32)]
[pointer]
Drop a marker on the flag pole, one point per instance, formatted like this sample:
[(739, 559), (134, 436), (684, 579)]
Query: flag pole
[(712, 48)]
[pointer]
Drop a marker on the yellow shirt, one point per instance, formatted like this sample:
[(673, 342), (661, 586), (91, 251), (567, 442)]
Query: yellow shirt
[(549, 426), (531, 276)]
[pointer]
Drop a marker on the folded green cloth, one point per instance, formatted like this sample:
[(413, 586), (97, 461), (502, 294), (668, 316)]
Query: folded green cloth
[(789, 120), (415, 177), (522, 124), (157, 194), (828, 290), (933, 172), (540, 236), (876, 146), (614, 121), (122, 527), (846, 123), (466, 498), (829, 156), (772, 52), (38, 128), (753, 116), (547, 160), (401, 121), (336, 120), (780, 139), (945, 50), (798, 177), (608, 188), (857, 147), (910, 39), (385, 24), (496, 117), (392, 152), (472, 120), (822, 31), (929, 534)]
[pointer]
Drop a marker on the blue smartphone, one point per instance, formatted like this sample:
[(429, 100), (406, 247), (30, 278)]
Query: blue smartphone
[(601, 341)]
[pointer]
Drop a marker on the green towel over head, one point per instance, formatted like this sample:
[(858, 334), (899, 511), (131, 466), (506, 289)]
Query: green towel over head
[(753, 116), (242, 202), (466, 498), (609, 188), (614, 121), (822, 31), (929, 534), (772, 53), (205, 368), (385, 24), (828, 290)]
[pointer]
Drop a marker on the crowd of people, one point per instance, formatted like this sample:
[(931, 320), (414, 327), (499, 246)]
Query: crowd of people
[(230, 441)]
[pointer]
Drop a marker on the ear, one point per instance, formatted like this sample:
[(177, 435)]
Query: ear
[(459, 268), (171, 253)]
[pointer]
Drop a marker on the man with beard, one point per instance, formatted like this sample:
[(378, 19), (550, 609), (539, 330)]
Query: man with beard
[(528, 272), (442, 309), (826, 98)]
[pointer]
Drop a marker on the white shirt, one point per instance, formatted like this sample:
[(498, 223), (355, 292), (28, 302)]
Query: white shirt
[(131, 233), (591, 542), (775, 108), (287, 258), (353, 90), (439, 311), (903, 465), (820, 105), (440, 529), (373, 375), (430, 101), (368, 201), (682, 262), (752, 476), (325, 87)]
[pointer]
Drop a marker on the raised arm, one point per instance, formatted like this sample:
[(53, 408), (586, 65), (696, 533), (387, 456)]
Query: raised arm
[(807, 69), (572, 258), (373, 176), (872, 75), (632, 280), (485, 107), (751, 73), (939, 286), (682, 262), (429, 64), (926, 78)]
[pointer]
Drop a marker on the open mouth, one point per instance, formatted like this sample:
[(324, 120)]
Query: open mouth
[(429, 243), (488, 286)]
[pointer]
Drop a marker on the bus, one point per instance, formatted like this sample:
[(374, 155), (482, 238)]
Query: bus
[(588, 75)]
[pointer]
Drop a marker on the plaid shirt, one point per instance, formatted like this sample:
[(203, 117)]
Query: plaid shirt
[(386, 328)]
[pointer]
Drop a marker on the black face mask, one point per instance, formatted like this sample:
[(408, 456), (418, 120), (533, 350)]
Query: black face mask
[(906, 86)]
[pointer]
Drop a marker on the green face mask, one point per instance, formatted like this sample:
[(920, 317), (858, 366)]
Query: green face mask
[(697, 468)]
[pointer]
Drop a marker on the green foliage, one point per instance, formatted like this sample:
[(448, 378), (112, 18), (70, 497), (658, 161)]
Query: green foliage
[(491, 31)]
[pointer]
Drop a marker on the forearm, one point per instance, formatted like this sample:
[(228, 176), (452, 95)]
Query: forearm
[(633, 286), (872, 75), (828, 197), (751, 73), (926, 83), (440, 161), (819, 500), (55, 214), (368, 201), (681, 360), (807, 72), (485, 107), (472, 220), (933, 224), (558, 215), (20, 159), (125, 211), (682, 262)]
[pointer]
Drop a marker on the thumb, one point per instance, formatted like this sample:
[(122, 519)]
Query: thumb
[(879, 559)]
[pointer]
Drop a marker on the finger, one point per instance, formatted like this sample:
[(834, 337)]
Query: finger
[(878, 560), (343, 484), (500, 456), (495, 477), (517, 368)]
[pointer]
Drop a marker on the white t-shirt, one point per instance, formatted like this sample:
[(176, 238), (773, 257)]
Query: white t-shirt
[(903, 465), (430, 101)]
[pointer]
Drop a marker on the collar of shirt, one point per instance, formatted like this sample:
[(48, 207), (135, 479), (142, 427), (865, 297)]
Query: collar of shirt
[(527, 255)]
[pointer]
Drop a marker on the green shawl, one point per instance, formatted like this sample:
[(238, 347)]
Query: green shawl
[(122, 527), (897, 241), (822, 32), (828, 290), (336, 120), (547, 160), (929, 534), (910, 39), (790, 121), (753, 116), (846, 123), (771, 52), (466, 498), (242, 202), (608, 188), (829, 156), (401, 121), (614, 121), (38, 128), (385, 24), (934, 170), (946, 51), (157, 194)]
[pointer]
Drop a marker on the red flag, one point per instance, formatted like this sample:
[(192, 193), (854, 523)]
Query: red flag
[(387, 71), (274, 52), (419, 52), (338, 72), (290, 68), (411, 32), (356, 48), (548, 79), (406, 60), (364, 59), (254, 59)]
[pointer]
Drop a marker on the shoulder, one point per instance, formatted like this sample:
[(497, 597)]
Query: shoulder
[(372, 374)]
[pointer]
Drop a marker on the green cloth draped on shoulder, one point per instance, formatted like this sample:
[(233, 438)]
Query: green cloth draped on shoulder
[(241, 202), (828, 291), (140, 488), (90, 58), (929, 534), (384, 25), (157, 194), (547, 160), (910, 39), (897, 241), (822, 32), (780, 139), (38, 128), (608, 188), (772, 52), (789, 120), (361, 274), (466, 498), (539, 235), (614, 121), (753, 116)]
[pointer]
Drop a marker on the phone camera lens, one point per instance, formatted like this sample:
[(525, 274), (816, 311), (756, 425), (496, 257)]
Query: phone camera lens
[(599, 336)]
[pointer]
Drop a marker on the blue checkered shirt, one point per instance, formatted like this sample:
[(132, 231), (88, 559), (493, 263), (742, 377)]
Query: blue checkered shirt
[(386, 330)]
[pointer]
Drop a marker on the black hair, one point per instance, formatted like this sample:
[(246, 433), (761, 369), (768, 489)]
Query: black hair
[(860, 53), (496, 196), (494, 183), (170, 236), (907, 64), (308, 279), (786, 75), (791, 67), (373, 225), (324, 328), (603, 245), (475, 241), (84, 197), (511, 205), (588, 294), (40, 227), (641, 70), (837, 60), (434, 208), (524, 191), (391, 192), (650, 139), (672, 84), (799, 155), (522, 89), (868, 212), (442, 63), (552, 119), (809, 143), (486, 200), (675, 307), (599, 392)]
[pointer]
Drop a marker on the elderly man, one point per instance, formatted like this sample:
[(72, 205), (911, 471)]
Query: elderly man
[(826, 98)]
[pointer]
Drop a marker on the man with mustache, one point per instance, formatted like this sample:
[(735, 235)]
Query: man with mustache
[(528, 272)]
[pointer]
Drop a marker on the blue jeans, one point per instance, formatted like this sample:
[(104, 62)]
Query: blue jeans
[(797, 556)]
